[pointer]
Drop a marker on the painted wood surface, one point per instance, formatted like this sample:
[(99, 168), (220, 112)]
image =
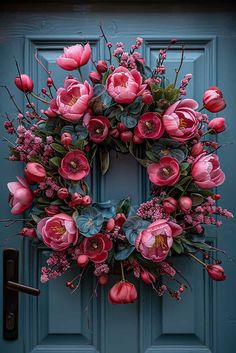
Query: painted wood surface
[(205, 320)]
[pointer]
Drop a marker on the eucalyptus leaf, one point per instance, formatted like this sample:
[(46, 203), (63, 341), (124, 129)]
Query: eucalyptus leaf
[(123, 252), (104, 158), (55, 161), (129, 121)]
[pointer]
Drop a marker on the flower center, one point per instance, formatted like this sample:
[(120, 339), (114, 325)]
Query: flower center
[(73, 165), (58, 229), (90, 222), (73, 101), (166, 171), (98, 130), (182, 124), (94, 245), (165, 151), (160, 242), (149, 125)]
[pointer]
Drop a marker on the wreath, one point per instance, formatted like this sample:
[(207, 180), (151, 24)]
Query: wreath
[(130, 108)]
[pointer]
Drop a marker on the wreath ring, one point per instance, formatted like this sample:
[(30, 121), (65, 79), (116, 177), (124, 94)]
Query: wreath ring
[(124, 107)]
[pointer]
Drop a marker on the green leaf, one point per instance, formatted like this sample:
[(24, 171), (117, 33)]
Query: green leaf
[(124, 206), (197, 199), (58, 148), (55, 161), (184, 167), (35, 218), (104, 159), (177, 247)]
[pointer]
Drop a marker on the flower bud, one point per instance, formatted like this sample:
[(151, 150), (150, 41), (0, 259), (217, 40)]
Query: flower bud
[(217, 125), (147, 97), (24, 83), (216, 272), (120, 219), (52, 210), (76, 199), (126, 136), (110, 224), (28, 232), (103, 279), (86, 200), (185, 203), (82, 260), (170, 204), (114, 133), (95, 76), (197, 149), (122, 292), (137, 140), (148, 277), (34, 172), (66, 139), (49, 113), (121, 127), (101, 66), (49, 82), (62, 193)]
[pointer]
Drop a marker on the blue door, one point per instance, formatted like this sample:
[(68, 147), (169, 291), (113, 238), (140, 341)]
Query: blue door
[(56, 321)]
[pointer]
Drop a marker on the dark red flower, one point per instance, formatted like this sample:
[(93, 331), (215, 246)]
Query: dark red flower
[(96, 247), (122, 292), (98, 128), (216, 272), (149, 126), (74, 166)]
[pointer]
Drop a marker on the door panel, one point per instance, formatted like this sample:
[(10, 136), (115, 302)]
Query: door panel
[(205, 320)]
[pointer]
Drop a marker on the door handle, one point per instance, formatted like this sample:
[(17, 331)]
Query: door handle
[(11, 288)]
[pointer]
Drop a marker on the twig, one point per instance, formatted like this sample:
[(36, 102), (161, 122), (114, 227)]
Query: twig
[(45, 69), (106, 40), (180, 65)]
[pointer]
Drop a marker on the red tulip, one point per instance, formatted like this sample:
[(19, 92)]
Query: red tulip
[(217, 125), (197, 149), (95, 76), (34, 172), (216, 272), (24, 83), (148, 277), (122, 292)]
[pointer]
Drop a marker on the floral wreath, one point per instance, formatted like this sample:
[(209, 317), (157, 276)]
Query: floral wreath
[(123, 107)]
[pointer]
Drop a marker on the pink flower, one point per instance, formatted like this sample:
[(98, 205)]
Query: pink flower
[(74, 57), (170, 204), (149, 126), (96, 247), (166, 172), (217, 125), (74, 166), (98, 128), (35, 173), (21, 196), (101, 66), (125, 85), (147, 97), (216, 272), (66, 139), (180, 120), (206, 171), (213, 99), (185, 203), (155, 242), (95, 76), (122, 292), (58, 232), (24, 83), (72, 100), (147, 277)]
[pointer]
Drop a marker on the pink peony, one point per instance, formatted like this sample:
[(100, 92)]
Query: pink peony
[(74, 57), (122, 292), (96, 247), (213, 99), (58, 232), (166, 172), (149, 126), (180, 120), (98, 128), (217, 125), (155, 242), (21, 196), (74, 166), (72, 100), (125, 85), (206, 171)]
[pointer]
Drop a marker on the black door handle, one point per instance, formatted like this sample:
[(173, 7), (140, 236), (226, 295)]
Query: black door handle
[(11, 287)]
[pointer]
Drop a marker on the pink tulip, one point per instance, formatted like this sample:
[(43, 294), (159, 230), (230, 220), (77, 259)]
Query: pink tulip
[(24, 83), (213, 99), (197, 149), (149, 126), (96, 247), (74, 57), (155, 241), (206, 171), (98, 128), (122, 292), (216, 272), (125, 85), (58, 232), (110, 224), (180, 120), (74, 166), (21, 196), (35, 173), (170, 204), (166, 172), (217, 125), (72, 100)]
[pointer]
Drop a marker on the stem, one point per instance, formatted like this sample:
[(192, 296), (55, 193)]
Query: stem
[(80, 74), (180, 65), (39, 98), (122, 271), (45, 69), (195, 258), (203, 107), (12, 99), (106, 40)]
